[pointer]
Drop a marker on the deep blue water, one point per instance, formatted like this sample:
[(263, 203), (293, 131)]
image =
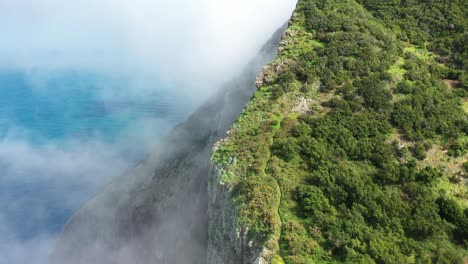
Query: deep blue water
[(63, 136)]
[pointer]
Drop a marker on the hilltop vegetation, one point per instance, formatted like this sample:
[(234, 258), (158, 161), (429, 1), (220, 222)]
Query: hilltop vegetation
[(354, 148)]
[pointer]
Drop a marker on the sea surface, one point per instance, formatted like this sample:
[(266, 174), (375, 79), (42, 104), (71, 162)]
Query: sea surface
[(63, 137)]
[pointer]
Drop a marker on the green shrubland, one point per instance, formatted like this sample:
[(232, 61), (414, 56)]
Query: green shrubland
[(361, 172)]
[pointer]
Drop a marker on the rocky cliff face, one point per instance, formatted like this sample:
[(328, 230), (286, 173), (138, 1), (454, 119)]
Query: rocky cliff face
[(228, 242), (162, 211)]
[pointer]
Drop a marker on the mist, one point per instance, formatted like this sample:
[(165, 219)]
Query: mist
[(137, 49), (48, 177), (188, 43)]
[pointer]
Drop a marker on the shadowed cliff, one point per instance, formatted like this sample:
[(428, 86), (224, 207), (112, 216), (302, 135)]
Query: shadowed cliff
[(157, 212)]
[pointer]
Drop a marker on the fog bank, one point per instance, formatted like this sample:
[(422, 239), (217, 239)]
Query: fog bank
[(189, 48), (198, 42)]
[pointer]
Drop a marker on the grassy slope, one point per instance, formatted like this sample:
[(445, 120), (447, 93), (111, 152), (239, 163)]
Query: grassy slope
[(329, 50)]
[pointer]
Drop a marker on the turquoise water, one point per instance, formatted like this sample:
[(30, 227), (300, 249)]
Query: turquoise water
[(70, 105), (64, 136)]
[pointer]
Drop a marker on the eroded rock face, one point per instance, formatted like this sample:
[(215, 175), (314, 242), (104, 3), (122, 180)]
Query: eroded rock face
[(227, 241), (162, 211)]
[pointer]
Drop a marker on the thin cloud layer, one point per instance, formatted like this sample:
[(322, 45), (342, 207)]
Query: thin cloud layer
[(52, 177), (200, 41)]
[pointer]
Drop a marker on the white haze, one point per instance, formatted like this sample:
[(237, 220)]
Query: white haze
[(201, 41), (70, 173), (189, 45)]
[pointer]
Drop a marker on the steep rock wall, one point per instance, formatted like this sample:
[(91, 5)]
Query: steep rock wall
[(158, 211), (228, 242), (229, 238)]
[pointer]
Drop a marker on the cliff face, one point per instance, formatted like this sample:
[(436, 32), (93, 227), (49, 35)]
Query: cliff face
[(229, 241), (158, 211)]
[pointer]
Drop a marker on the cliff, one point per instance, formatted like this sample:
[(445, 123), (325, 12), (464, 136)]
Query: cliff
[(349, 146), (158, 211)]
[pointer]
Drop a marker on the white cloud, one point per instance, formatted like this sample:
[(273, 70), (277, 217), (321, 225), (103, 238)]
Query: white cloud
[(200, 40)]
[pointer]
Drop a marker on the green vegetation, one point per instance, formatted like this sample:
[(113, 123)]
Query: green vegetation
[(354, 147)]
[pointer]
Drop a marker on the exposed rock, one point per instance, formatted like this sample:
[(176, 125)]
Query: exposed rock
[(266, 76), (303, 106)]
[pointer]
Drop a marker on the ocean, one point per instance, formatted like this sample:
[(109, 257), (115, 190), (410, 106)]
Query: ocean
[(63, 136)]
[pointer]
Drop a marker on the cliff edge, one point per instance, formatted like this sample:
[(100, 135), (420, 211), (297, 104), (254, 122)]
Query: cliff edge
[(158, 211)]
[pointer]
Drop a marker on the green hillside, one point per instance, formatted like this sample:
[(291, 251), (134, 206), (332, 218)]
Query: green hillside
[(354, 148)]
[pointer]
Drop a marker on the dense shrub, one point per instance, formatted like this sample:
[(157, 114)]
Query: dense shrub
[(356, 183)]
